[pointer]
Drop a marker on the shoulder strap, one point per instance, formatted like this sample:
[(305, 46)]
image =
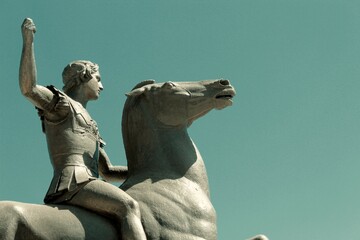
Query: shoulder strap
[(53, 102)]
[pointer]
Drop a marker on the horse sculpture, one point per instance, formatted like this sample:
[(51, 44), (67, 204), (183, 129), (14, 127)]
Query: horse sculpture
[(167, 175)]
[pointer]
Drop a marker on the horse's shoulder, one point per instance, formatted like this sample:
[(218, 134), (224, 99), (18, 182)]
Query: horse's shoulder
[(188, 208)]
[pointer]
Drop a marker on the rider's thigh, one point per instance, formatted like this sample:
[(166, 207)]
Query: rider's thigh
[(102, 197)]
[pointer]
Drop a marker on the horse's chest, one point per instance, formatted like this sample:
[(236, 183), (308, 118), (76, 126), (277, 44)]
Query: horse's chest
[(175, 208)]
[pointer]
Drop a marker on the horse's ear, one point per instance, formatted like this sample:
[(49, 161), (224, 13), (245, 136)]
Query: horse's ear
[(167, 85), (143, 83), (139, 88), (135, 92)]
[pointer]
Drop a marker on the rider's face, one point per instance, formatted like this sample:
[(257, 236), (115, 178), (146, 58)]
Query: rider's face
[(93, 87)]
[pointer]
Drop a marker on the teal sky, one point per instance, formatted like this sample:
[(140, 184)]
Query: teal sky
[(284, 160)]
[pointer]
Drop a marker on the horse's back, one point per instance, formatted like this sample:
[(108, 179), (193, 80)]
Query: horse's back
[(34, 222)]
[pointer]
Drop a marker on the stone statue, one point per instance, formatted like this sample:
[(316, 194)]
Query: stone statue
[(74, 143), (166, 173)]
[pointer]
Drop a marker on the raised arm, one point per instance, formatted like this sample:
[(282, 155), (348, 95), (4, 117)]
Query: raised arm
[(38, 95), (108, 171)]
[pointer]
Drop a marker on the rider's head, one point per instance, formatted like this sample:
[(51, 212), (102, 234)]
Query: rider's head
[(77, 72)]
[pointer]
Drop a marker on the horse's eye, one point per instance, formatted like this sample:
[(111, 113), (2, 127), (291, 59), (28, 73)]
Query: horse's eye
[(168, 85)]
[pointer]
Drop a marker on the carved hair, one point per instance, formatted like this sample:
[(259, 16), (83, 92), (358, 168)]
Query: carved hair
[(78, 72)]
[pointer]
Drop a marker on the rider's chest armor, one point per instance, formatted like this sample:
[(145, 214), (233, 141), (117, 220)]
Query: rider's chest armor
[(77, 133)]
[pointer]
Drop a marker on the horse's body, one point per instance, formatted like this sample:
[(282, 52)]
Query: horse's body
[(167, 175)]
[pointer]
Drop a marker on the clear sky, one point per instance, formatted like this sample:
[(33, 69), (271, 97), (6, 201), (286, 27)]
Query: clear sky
[(284, 160)]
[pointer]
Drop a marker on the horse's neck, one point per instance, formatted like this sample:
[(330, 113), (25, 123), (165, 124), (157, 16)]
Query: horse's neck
[(172, 154)]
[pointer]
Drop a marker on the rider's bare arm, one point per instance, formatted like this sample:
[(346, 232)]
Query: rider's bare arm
[(108, 171), (38, 95)]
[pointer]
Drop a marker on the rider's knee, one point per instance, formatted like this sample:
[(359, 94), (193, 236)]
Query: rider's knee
[(128, 208), (132, 206)]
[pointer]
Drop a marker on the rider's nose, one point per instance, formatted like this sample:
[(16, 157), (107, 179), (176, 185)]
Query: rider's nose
[(224, 82), (101, 86)]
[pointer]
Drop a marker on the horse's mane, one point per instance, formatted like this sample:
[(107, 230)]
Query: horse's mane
[(130, 118), (133, 122)]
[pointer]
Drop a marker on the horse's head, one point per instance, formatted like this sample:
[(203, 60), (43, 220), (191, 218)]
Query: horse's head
[(179, 103)]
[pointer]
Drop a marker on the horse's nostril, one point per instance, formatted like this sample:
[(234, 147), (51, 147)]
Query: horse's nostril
[(224, 82)]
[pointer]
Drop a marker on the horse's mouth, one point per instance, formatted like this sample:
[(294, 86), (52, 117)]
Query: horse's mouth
[(227, 95)]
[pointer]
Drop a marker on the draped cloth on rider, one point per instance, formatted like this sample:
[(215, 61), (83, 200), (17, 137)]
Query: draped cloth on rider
[(73, 141)]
